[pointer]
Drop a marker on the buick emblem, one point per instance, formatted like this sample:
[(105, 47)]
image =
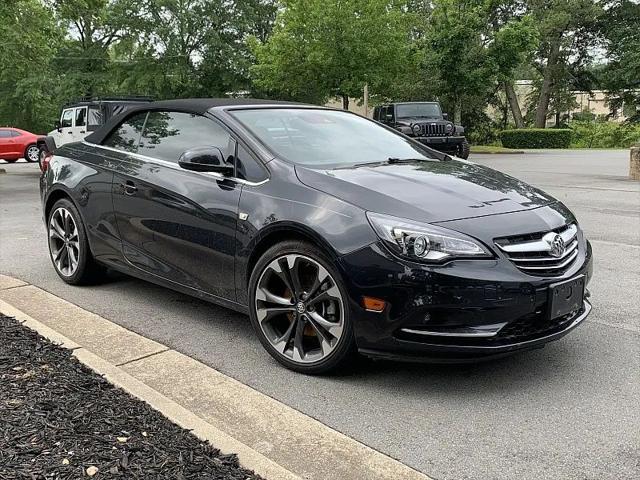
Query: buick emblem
[(557, 246), (300, 307)]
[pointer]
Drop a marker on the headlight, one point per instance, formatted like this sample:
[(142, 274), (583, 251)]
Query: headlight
[(404, 129), (423, 242), (416, 129), (448, 128)]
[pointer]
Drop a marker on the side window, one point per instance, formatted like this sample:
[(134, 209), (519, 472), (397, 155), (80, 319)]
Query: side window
[(167, 135), (389, 112), (95, 117), (67, 119), (5, 133), (127, 136), (247, 167), (376, 113), (81, 117), (15, 133)]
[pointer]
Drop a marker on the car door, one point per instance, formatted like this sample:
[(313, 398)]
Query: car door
[(79, 129), (177, 224), (5, 143), (65, 132)]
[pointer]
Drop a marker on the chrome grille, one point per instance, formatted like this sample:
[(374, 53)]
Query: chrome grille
[(535, 254), (429, 130)]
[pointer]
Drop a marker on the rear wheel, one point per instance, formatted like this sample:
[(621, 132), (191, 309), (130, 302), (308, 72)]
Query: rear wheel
[(299, 310), (68, 245), (32, 153)]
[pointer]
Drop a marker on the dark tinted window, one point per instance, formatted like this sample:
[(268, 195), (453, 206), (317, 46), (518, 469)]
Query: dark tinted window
[(427, 110), (15, 133), (248, 167), (167, 135), (81, 117), (127, 135), (5, 133)]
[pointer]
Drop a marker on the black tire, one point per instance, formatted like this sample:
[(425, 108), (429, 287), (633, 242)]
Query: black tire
[(41, 154), (344, 348), (32, 153), (464, 149), (87, 271)]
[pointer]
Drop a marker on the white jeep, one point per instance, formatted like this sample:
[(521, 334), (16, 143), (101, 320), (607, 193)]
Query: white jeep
[(79, 119)]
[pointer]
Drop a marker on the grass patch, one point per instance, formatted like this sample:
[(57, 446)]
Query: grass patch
[(493, 149)]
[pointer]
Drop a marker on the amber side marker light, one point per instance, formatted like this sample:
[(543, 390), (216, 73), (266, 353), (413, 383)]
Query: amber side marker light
[(372, 304)]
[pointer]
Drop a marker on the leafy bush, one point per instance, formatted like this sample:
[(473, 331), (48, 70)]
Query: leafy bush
[(536, 138), (604, 134)]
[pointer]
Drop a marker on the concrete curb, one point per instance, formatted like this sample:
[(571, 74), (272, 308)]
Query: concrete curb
[(269, 437)]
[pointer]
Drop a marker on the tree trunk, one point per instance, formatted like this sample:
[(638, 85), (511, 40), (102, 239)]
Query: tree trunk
[(547, 83), (457, 112), (345, 102), (513, 104)]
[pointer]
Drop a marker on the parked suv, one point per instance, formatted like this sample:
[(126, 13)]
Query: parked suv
[(80, 118), (426, 122)]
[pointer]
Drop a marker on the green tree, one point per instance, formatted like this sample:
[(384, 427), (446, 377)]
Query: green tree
[(28, 39), (621, 76), (568, 35), (320, 49)]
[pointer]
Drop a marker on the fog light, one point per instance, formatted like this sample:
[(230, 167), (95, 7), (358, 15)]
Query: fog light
[(372, 304)]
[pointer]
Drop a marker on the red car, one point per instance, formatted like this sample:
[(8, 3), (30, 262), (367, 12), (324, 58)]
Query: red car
[(16, 143)]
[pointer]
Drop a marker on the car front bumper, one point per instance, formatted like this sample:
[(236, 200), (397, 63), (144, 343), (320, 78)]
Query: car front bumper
[(448, 142), (462, 311)]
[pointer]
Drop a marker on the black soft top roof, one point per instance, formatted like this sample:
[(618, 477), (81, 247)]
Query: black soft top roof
[(189, 105)]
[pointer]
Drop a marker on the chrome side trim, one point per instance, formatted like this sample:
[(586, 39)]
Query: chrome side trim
[(486, 332), (175, 166)]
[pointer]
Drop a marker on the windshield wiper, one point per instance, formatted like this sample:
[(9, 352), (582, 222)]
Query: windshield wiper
[(406, 160)]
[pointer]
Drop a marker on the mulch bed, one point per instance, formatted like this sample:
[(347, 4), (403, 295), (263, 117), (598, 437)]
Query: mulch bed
[(58, 419)]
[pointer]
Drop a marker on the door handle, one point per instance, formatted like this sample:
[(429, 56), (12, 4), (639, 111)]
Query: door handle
[(129, 188), (82, 131)]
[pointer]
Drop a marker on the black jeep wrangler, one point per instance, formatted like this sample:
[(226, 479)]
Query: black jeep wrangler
[(426, 123)]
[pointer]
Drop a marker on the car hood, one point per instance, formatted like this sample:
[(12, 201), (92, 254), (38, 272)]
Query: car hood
[(429, 191), (412, 120)]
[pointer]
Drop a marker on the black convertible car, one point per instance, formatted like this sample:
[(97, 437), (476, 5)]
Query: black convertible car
[(334, 233)]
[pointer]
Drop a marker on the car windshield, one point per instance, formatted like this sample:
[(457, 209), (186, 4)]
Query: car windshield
[(429, 110), (326, 138)]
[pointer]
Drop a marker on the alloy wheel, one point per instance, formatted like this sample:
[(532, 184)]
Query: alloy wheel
[(33, 154), (299, 308), (64, 242)]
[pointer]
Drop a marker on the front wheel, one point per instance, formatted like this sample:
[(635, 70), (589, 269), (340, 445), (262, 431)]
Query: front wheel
[(299, 310), (32, 153), (464, 149)]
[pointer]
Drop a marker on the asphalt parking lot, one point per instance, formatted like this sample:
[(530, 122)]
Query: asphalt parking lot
[(567, 411)]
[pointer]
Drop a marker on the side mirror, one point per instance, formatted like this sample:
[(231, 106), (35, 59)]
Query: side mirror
[(205, 159), (58, 126), (445, 116)]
